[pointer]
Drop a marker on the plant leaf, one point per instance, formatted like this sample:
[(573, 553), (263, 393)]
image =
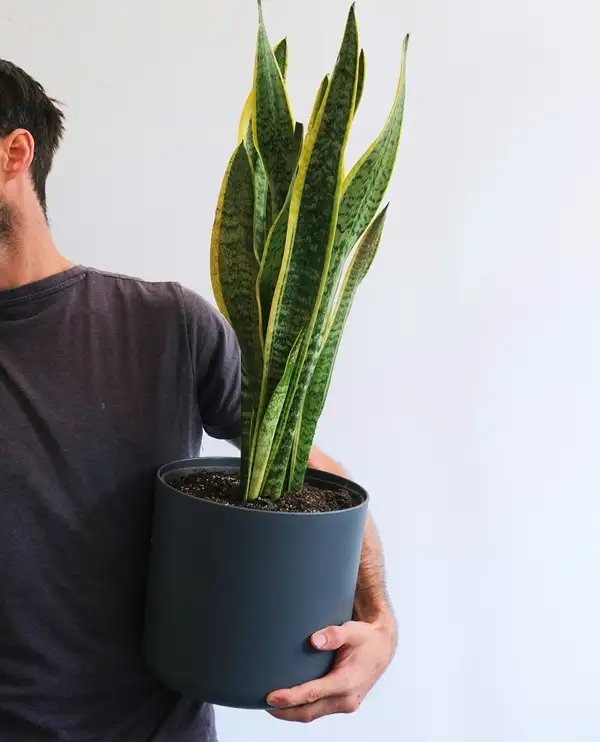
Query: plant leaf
[(272, 120), (318, 102), (262, 206), (247, 438), (297, 150), (363, 192), (234, 269), (261, 194), (362, 68), (262, 210), (309, 242), (271, 263), (281, 57), (273, 253), (365, 186), (246, 117), (268, 426), (360, 264)]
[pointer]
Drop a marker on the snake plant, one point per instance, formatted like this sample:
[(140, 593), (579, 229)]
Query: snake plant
[(293, 238)]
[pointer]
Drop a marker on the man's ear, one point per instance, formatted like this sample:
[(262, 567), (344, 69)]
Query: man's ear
[(16, 154)]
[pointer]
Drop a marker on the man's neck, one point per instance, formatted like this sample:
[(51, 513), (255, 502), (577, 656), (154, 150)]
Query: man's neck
[(32, 257)]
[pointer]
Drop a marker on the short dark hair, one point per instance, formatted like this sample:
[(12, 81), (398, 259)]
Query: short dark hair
[(25, 105)]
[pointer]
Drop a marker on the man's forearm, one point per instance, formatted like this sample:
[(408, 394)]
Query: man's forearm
[(371, 603)]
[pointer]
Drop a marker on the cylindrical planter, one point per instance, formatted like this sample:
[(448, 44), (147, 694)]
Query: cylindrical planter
[(235, 594)]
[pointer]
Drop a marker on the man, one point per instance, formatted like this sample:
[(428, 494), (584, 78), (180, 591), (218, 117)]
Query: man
[(103, 378)]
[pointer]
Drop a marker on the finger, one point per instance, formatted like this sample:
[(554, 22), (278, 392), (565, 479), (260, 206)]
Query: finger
[(336, 683), (335, 637), (312, 712)]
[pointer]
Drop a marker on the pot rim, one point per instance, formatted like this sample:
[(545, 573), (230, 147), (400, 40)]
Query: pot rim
[(201, 463)]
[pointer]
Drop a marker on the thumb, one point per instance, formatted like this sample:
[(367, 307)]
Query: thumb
[(335, 637)]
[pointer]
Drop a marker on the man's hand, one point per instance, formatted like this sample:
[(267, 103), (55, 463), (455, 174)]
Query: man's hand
[(364, 651)]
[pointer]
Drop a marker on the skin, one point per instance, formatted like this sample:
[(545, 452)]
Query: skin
[(27, 251), (364, 646)]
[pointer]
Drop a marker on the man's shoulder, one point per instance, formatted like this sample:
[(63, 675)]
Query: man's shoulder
[(168, 316), (153, 295), (133, 286)]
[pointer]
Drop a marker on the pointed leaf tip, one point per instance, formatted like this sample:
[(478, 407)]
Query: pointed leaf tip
[(352, 13)]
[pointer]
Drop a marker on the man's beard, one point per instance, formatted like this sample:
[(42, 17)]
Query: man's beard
[(8, 234)]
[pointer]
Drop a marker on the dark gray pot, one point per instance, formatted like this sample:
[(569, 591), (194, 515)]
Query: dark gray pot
[(234, 594)]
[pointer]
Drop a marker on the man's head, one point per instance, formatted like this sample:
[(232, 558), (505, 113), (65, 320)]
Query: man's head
[(31, 127)]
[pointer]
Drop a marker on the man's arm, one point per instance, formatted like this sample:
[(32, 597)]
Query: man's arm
[(371, 603)]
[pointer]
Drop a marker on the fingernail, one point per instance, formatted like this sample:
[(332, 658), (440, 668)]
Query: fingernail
[(320, 641)]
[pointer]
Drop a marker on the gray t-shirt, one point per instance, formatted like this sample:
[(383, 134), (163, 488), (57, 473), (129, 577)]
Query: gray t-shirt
[(103, 379)]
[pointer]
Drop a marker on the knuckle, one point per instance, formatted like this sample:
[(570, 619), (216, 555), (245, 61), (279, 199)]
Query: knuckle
[(334, 635), (351, 704), (312, 695), (306, 717), (343, 631)]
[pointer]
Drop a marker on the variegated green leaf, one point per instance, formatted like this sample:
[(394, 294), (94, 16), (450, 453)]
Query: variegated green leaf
[(297, 150), (360, 264), (318, 103), (362, 68), (273, 254), (310, 237), (365, 186), (271, 263), (264, 436), (247, 437), (367, 183), (261, 194), (234, 269), (325, 84), (313, 213), (272, 120), (251, 150), (262, 205), (245, 118), (363, 192), (281, 56)]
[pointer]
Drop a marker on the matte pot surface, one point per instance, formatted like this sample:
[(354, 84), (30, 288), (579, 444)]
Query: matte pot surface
[(234, 594)]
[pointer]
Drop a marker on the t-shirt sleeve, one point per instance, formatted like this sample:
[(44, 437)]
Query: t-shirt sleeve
[(216, 359)]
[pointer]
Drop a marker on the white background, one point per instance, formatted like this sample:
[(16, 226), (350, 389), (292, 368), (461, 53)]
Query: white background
[(466, 396)]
